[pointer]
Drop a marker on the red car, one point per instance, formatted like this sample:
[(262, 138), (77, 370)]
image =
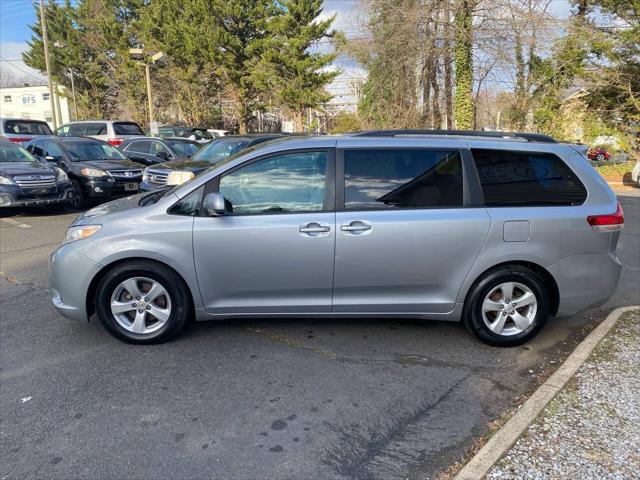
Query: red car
[(598, 154)]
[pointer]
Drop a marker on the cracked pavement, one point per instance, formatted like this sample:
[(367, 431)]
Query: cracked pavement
[(280, 398)]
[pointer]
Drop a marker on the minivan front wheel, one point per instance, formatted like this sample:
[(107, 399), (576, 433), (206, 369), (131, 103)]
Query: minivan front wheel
[(142, 302), (507, 307)]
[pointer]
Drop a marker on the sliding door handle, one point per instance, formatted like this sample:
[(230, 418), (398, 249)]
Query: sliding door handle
[(314, 227), (356, 226)]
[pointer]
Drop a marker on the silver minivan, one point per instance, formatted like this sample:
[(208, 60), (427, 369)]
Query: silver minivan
[(499, 231)]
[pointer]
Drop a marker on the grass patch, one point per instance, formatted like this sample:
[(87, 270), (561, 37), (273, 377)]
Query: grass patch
[(615, 171)]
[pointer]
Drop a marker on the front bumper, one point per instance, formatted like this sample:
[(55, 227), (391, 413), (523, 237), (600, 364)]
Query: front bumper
[(103, 189), (585, 280), (14, 196), (70, 274)]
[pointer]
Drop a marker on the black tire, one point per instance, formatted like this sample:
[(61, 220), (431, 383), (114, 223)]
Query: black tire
[(78, 200), (172, 283), (473, 316)]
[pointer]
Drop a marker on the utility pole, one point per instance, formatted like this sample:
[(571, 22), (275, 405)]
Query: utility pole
[(73, 94), (43, 24), (147, 69)]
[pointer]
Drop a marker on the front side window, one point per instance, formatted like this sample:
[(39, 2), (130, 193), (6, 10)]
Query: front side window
[(51, 149), (293, 182), (381, 179), (88, 150), (138, 147), (511, 178), (63, 131)]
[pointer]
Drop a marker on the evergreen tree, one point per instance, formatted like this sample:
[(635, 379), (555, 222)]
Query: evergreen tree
[(290, 64)]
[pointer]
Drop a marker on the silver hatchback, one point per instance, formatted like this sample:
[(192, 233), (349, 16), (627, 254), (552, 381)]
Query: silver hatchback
[(499, 233)]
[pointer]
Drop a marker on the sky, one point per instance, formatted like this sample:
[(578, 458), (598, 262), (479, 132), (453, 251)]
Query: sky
[(17, 15)]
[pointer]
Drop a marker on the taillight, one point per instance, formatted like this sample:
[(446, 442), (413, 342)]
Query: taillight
[(20, 139), (610, 222), (115, 141)]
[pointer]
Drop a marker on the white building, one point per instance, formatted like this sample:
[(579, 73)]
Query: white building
[(33, 103)]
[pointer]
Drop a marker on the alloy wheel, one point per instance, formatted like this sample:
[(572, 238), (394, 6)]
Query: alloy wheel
[(509, 308), (140, 305)]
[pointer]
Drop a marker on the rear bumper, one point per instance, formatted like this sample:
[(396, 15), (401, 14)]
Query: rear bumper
[(585, 280), (70, 274)]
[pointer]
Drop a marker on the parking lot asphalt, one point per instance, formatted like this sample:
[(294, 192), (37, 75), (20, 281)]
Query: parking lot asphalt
[(294, 398)]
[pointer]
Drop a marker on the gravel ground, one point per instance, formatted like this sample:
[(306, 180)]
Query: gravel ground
[(591, 430)]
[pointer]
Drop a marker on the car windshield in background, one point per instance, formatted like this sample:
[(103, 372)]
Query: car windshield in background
[(200, 133), (127, 128), (25, 126), (221, 150), (10, 152), (79, 151), (183, 149)]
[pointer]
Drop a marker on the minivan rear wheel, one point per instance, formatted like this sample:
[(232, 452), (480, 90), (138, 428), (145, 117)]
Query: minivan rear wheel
[(507, 307), (142, 302)]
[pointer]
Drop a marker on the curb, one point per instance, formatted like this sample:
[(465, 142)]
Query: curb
[(506, 436)]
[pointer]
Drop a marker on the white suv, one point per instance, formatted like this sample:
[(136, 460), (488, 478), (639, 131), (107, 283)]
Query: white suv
[(112, 131)]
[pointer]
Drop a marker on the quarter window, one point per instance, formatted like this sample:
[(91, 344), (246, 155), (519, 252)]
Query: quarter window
[(512, 178), (381, 179), (293, 182)]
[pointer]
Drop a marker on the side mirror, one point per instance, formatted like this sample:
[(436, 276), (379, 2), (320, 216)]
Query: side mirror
[(49, 158), (214, 205)]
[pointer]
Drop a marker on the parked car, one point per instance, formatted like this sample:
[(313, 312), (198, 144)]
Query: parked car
[(174, 173), (21, 130), (26, 182), (635, 174), (598, 154), (500, 233), (97, 170), (153, 150), (200, 135), (114, 132)]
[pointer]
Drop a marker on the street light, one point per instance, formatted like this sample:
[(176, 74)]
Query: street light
[(61, 44), (147, 60)]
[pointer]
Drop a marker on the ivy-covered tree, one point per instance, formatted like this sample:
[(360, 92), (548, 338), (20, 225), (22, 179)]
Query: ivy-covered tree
[(463, 61), (292, 63)]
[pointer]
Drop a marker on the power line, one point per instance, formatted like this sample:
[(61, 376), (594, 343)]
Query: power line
[(21, 70)]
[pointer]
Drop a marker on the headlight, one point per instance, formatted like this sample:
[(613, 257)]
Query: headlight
[(177, 178), (80, 232), (62, 176), (93, 172), (5, 181)]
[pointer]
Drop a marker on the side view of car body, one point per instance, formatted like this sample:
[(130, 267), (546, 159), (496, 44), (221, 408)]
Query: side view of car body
[(21, 130), (27, 182), (113, 132), (497, 232), (97, 170), (598, 154), (154, 150)]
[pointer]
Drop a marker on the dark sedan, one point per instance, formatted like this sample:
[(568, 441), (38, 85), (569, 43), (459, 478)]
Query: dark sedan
[(97, 170), (26, 182), (177, 172), (153, 150)]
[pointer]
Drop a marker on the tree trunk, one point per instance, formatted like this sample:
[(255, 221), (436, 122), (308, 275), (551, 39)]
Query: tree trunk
[(464, 64), (298, 121), (446, 59)]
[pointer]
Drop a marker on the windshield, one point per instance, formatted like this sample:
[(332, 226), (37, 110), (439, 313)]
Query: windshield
[(127, 128), (28, 127), (221, 150), (87, 150), (10, 152), (183, 149)]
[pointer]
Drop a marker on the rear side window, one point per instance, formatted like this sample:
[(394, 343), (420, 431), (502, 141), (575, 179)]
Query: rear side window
[(95, 129), (127, 128), (27, 126), (380, 179), (76, 130), (511, 178), (138, 147)]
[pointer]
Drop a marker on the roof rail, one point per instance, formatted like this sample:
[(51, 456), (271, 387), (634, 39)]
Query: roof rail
[(530, 137)]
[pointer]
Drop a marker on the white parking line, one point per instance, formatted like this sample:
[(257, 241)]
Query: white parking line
[(13, 222)]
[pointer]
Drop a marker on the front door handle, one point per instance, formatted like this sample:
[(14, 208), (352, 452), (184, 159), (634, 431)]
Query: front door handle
[(356, 226), (314, 227)]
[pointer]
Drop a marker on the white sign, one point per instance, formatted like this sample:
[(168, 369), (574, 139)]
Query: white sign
[(28, 99), (154, 128)]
